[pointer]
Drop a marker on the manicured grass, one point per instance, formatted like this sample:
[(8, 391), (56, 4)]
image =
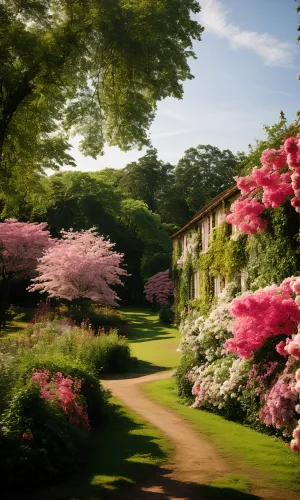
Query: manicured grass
[(151, 342), (13, 330), (240, 445), (125, 450)]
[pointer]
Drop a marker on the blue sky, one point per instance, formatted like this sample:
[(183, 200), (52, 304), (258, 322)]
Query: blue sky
[(245, 74)]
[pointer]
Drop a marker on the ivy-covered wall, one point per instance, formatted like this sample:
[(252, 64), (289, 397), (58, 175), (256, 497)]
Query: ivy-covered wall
[(264, 258)]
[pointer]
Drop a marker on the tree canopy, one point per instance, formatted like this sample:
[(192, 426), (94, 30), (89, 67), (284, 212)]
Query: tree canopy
[(85, 67)]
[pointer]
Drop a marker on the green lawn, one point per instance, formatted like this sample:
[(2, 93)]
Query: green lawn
[(151, 342), (243, 447), (125, 450)]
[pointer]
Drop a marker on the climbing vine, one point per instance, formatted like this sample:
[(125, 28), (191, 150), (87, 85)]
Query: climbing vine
[(266, 258)]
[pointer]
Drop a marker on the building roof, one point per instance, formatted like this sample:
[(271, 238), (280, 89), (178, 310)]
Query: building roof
[(210, 206)]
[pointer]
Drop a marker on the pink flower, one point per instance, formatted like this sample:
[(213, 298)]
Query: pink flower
[(280, 348), (245, 214), (295, 446), (27, 436)]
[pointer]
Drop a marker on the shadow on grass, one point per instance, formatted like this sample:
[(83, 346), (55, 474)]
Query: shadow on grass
[(143, 329), (123, 451), (165, 488), (138, 369)]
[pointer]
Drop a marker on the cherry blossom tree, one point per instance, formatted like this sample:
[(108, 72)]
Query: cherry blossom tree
[(21, 245), (277, 180), (80, 265), (159, 288)]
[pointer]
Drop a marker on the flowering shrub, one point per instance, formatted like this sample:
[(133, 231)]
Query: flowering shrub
[(279, 404), (239, 386), (260, 315), (159, 288), (276, 180), (217, 378), (66, 392)]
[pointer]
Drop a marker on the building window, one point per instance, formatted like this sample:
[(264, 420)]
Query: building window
[(222, 284), (194, 292), (213, 220), (192, 288), (205, 233), (244, 277)]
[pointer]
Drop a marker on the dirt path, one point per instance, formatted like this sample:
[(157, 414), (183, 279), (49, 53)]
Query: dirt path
[(195, 462)]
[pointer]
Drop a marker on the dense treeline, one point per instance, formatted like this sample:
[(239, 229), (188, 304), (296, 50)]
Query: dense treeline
[(139, 206)]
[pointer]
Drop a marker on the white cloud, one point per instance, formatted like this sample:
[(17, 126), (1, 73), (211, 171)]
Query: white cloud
[(272, 51)]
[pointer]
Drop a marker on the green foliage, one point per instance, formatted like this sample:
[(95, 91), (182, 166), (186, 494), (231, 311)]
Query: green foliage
[(56, 448), (99, 318), (107, 354), (225, 257), (272, 255), (95, 396), (274, 137), (55, 445), (83, 67), (80, 201), (183, 384), (148, 180), (97, 353), (166, 315), (202, 173)]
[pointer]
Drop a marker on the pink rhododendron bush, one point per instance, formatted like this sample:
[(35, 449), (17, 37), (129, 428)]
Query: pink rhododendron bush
[(159, 288), (243, 359), (269, 186)]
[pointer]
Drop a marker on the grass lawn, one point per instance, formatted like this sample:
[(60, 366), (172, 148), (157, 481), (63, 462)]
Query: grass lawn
[(151, 342), (14, 329), (125, 450), (240, 445)]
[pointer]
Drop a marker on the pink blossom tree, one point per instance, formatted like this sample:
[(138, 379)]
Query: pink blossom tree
[(159, 288), (21, 245), (81, 265), (277, 180)]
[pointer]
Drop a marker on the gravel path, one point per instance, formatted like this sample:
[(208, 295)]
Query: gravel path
[(195, 462)]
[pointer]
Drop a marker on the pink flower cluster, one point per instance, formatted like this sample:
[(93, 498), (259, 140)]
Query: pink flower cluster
[(65, 392), (260, 376), (27, 436), (260, 315), (280, 401), (159, 288), (273, 182)]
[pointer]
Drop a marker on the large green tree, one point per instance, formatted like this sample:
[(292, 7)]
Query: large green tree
[(92, 67), (148, 179), (202, 173)]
